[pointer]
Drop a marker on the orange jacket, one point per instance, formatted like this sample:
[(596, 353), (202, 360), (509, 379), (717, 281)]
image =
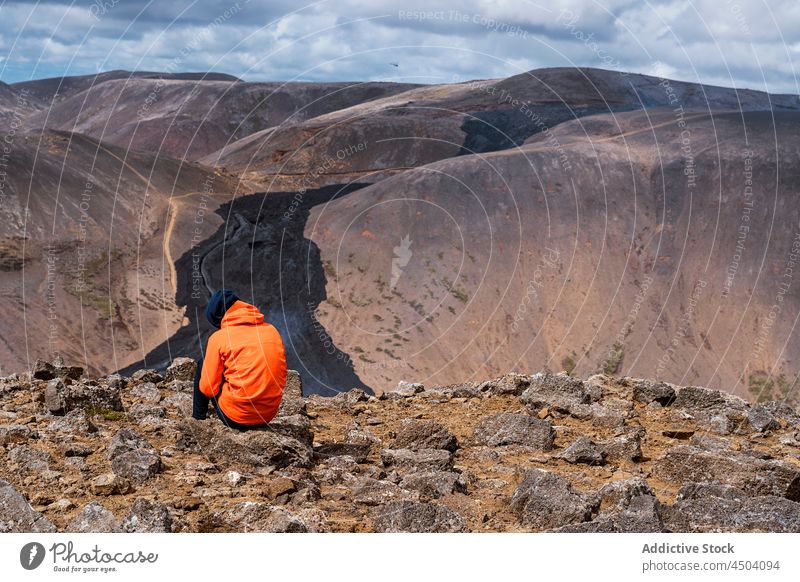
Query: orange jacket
[(249, 354)]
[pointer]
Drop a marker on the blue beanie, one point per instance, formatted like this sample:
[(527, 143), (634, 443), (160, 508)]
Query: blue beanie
[(219, 303)]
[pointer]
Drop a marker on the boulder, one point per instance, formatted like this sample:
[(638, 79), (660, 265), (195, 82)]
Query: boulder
[(433, 484), (697, 399), (358, 451), (642, 514), (424, 434), (181, 369), (133, 457), (249, 516), (146, 391), (709, 508), (508, 428), (625, 447), (94, 518), (368, 491), (647, 391), (43, 370), (296, 426), (544, 500), (16, 433), (17, 515), (782, 412), (513, 383), (147, 517), (688, 464), (417, 517), (126, 440), (137, 466), (147, 375), (761, 419), (75, 422), (292, 401), (405, 390), (583, 450), (258, 448), (110, 484), (420, 460), (557, 392), (27, 459), (60, 398)]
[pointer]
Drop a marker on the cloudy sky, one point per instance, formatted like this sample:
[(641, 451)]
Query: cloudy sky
[(741, 43)]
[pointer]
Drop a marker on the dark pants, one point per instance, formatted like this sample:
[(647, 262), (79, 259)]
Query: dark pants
[(200, 405)]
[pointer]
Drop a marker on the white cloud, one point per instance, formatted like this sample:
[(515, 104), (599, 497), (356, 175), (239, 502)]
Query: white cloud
[(730, 42)]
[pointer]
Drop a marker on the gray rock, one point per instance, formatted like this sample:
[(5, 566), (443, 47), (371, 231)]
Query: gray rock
[(557, 392), (249, 516), (626, 447), (465, 390), (137, 466), (761, 419), (618, 494), (373, 492), (688, 464), (292, 401), (60, 398), (782, 411), (94, 518), (733, 514), (43, 370), (415, 461), (27, 459), (703, 490), (698, 399), (641, 514), (148, 517), (358, 451), (296, 426), (260, 448), (611, 414), (148, 392), (509, 428), (126, 440), (424, 434), (359, 435), (143, 411), (180, 386), (583, 450), (16, 433), (75, 422), (406, 389), (417, 517), (647, 391), (544, 500), (110, 484), (181, 369), (513, 383), (17, 515), (434, 484), (147, 375)]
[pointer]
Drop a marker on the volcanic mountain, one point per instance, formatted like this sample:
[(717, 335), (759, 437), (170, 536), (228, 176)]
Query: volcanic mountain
[(191, 117), (577, 219), (635, 243)]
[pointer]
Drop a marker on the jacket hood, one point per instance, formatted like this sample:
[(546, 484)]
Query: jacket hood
[(218, 305), (241, 313)]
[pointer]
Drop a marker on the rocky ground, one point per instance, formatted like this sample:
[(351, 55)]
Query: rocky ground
[(519, 453)]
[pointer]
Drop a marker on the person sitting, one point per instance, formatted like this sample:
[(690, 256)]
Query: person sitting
[(244, 369)]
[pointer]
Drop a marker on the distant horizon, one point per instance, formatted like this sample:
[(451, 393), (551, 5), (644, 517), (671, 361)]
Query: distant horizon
[(385, 80)]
